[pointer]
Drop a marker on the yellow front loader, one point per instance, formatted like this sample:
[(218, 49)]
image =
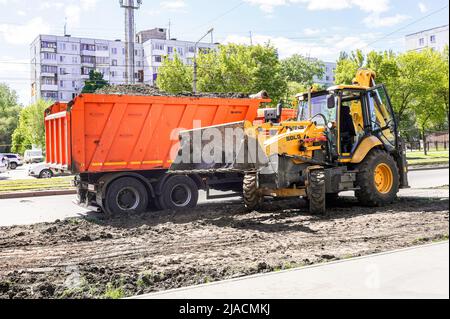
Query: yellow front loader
[(345, 138)]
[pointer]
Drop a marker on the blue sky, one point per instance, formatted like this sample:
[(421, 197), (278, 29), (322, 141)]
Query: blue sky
[(319, 28)]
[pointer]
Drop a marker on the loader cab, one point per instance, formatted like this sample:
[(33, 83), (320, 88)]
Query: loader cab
[(351, 113)]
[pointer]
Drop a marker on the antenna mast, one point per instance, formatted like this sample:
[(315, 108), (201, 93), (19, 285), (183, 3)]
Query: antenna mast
[(130, 36)]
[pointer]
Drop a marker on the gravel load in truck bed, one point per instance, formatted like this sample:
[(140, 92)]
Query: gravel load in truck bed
[(148, 90), (95, 257)]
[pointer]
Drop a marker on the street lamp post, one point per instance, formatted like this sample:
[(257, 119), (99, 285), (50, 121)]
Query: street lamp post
[(195, 60)]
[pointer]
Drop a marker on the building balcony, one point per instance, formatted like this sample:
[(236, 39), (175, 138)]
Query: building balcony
[(51, 50), (50, 75), (49, 87)]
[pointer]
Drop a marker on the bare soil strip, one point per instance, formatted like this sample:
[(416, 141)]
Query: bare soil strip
[(129, 255)]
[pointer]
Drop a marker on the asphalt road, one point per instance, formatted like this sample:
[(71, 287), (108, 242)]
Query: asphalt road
[(48, 209), (19, 173), (417, 273)]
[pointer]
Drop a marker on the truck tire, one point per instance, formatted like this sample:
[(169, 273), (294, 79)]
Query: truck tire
[(378, 179), (46, 173), (178, 192), (13, 165), (316, 191), (252, 198), (126, 195)]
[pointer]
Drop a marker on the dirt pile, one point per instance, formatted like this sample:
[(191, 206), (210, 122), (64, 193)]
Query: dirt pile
[(129, 255), (148, 90)]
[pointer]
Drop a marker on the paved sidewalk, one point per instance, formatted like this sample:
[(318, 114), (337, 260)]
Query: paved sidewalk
[(421, 272)]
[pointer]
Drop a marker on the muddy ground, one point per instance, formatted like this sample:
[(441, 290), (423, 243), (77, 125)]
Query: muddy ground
[(99, 258)]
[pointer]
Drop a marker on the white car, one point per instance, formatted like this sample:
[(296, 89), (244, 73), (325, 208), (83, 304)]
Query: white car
[(33, 156), (41, 170)]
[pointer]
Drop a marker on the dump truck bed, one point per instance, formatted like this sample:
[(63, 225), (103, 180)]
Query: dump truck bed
[(108, 133)]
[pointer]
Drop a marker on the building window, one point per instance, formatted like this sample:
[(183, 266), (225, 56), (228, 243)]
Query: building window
[(191, 49), (62, 71), (180, 51), (48, 81), (102, 47), (74, 47), (114, 62), (87, 47), (62, 58), (114, 50), (421, 42), (158, 46), (50, 56), (86, 71), (74, 84), (155, 70), (74, 59), (48, 45), (113, 74), (433, 39), (62, 46), (123, 51), (157, 58), (169, 50), (49, 69), (88, 59), (102, 60), (61, 83)]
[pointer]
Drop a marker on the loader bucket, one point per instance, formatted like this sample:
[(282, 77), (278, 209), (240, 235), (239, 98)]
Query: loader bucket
[(218, 148)]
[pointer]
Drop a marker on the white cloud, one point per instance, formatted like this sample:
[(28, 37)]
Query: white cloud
[(173, 4), (23, 34), (268, 6), (312, 31), (376, 21), (327, 49), (423, 7), (88, 4)]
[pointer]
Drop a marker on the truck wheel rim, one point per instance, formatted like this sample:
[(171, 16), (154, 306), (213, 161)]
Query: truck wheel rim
[(128, 198), (384, 178), (181, 195)]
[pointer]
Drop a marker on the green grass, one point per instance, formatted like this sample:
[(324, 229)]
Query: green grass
[(419, 158), (58, 183), (114, 293)]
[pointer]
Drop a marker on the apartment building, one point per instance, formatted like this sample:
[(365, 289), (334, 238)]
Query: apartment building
[(329, 77), (61, 64), (435, 38)]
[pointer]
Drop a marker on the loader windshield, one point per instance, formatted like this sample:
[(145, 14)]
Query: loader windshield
[(319, 105)]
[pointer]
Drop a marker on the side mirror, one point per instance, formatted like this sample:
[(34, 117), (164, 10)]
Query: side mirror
[(331, 101)]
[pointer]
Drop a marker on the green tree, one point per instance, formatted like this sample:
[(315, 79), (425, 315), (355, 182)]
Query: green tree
[(301, 69), (9, 111), (240, 68), (174, 76), (94, 83), (31, 129), (231, 68)]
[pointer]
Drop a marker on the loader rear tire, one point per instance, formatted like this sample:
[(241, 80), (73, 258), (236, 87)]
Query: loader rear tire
[(252, 198), (317, 192), (378, 180)]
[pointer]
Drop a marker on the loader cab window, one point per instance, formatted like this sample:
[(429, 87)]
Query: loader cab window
[(351, 121), (382, 118), (319, 105)]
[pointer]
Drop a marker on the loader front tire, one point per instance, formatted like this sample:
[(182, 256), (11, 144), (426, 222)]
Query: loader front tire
[(317, 192), (252, 198), (378, 179)]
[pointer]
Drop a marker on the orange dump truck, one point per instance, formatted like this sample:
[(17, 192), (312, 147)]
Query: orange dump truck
[(120, 147)]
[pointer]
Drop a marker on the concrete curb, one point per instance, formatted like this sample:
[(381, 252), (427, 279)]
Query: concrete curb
[(38, 194), (154, 295), (427, 168)]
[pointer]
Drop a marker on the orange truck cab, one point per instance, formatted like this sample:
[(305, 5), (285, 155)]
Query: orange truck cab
[(120, 147)]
